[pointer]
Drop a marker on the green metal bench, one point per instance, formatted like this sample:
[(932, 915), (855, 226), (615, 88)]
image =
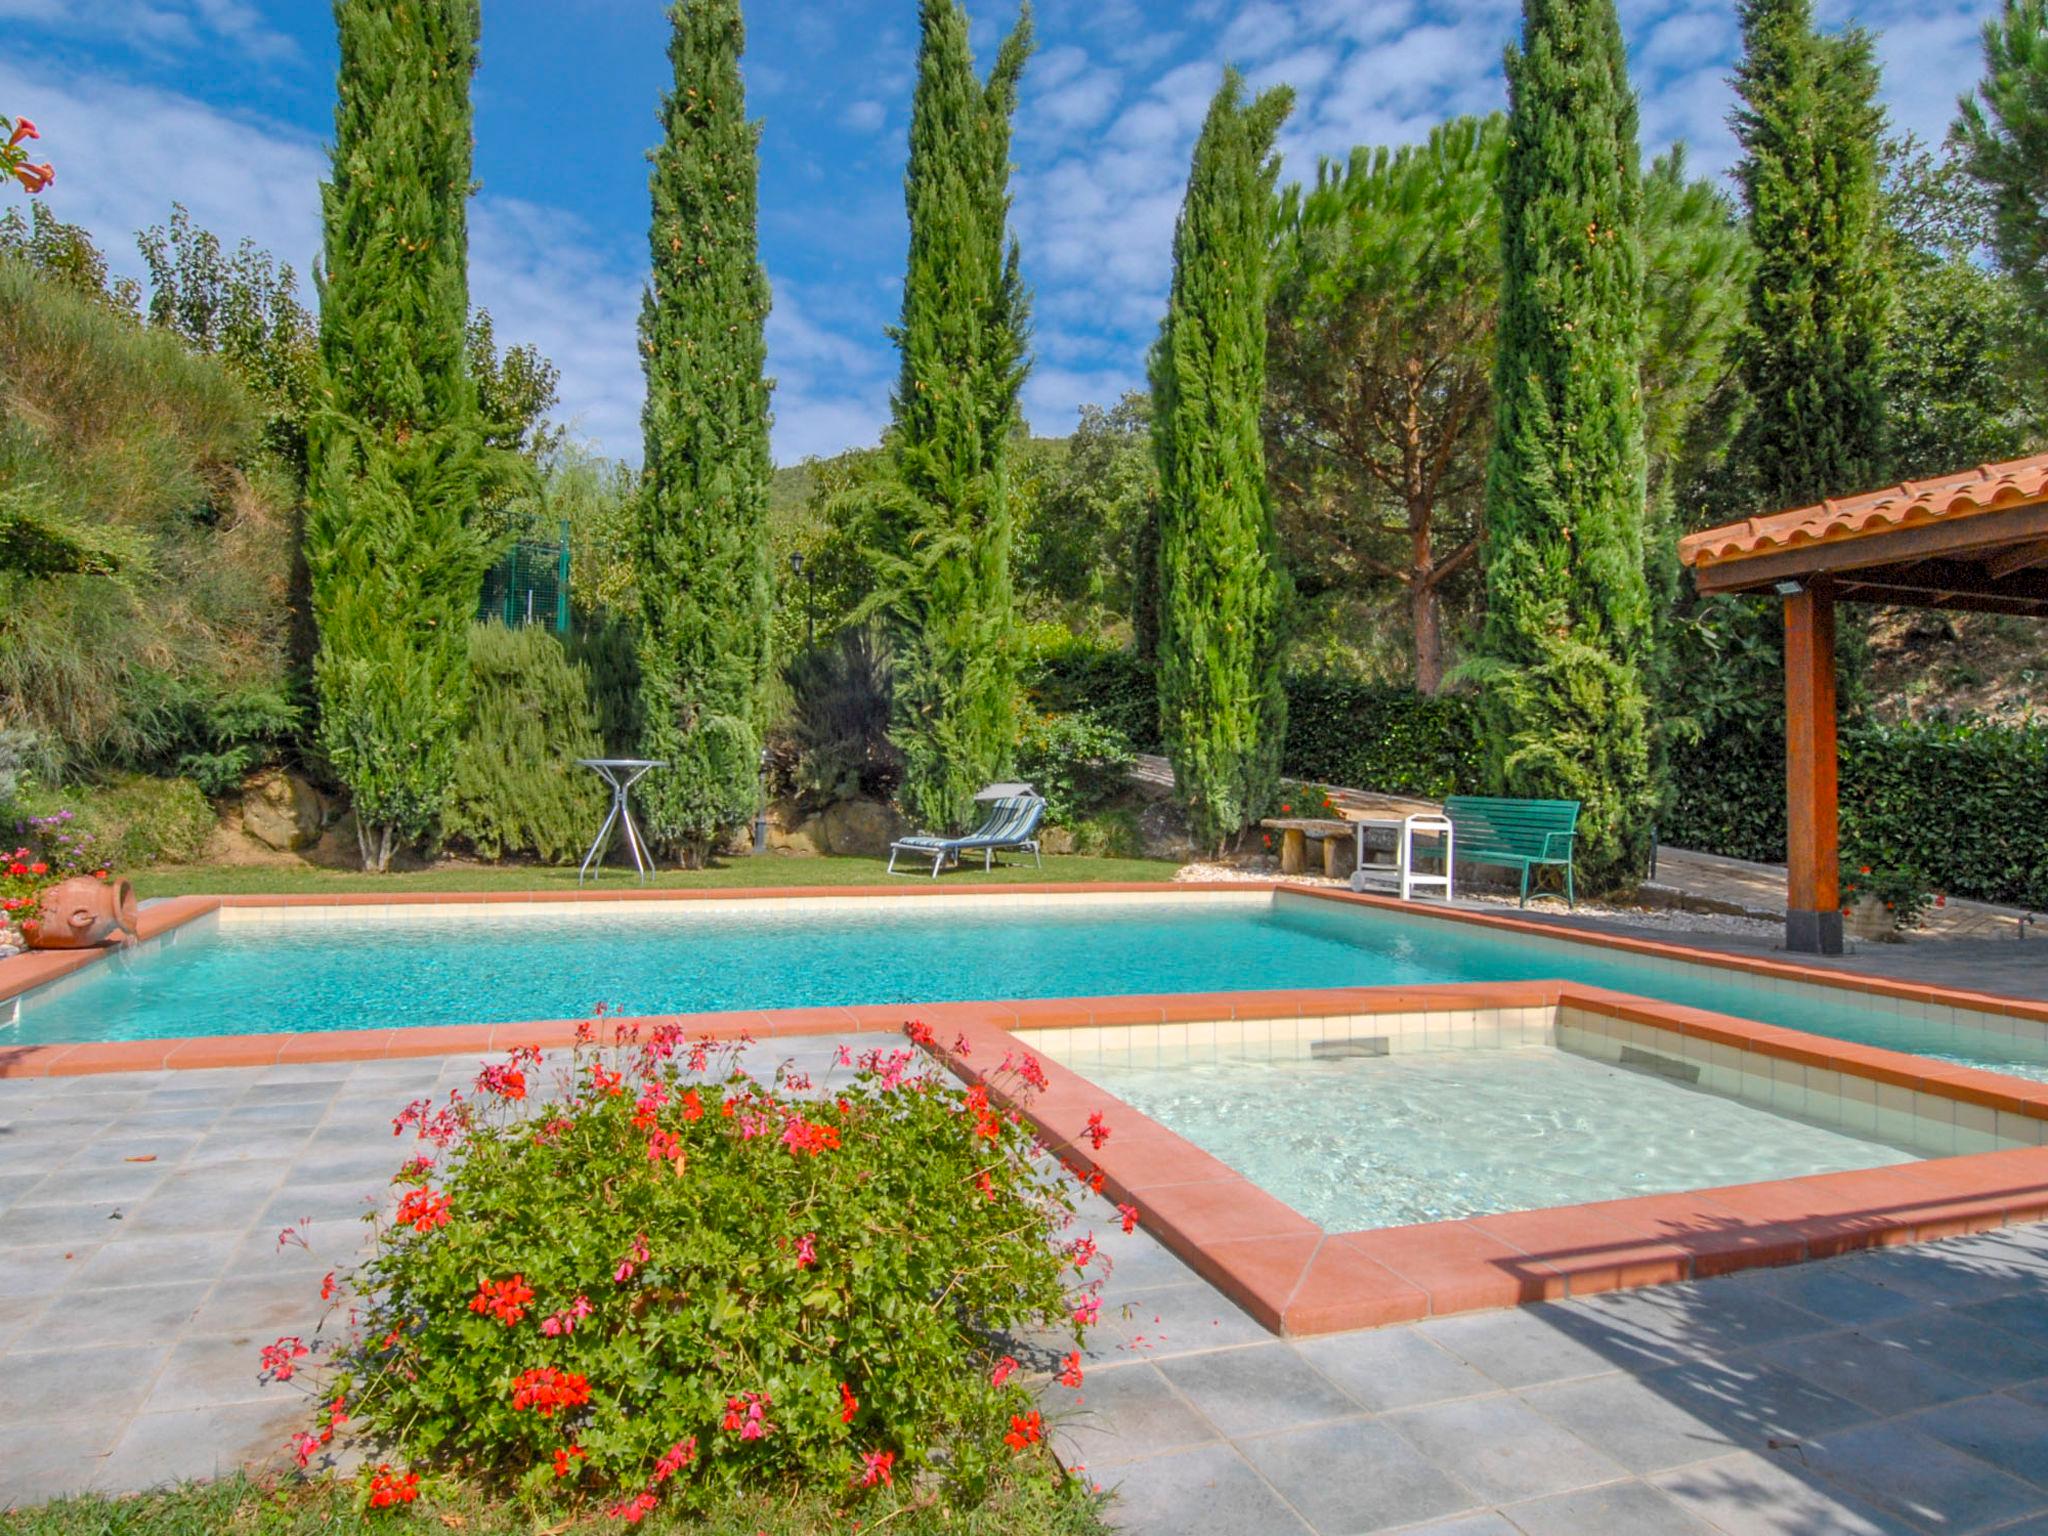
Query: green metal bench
[(1518, 834)]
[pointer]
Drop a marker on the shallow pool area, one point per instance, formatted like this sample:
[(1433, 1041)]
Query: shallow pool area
[(1355, 1143)]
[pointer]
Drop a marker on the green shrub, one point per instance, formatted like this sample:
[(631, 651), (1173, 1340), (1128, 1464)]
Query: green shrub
[(1377, 736), (838, 730), (1112, 835), (1078, 762), (131, 820), (672, 1284), (609, 658), (1067, 675), (1960, 803), (516, 788)]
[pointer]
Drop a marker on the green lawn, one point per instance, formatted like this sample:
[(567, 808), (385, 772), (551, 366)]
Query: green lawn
[(245, 1509), (768, 870)]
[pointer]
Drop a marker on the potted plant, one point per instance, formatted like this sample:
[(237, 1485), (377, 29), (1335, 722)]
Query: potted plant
[(1880, 901)]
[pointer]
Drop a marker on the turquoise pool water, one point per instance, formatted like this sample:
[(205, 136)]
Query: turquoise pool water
[(361, 973), (1438, 1136)]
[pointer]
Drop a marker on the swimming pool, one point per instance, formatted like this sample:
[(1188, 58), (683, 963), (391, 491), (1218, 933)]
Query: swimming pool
[(253, 970)]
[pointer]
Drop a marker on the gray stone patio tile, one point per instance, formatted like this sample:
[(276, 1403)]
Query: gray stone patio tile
[(1354, 1477), (1208, 1491), (15, 1314), (1965, 1343), (267, 1113), (57, 1460), (137, 1314), (204, 1372), (1488, 1524), (313, 1074), (72, 1222), (128, 1182), (2009, 1434), (1256, 1390), (62, 1385), (339, 1204), (1882, 1376), (371, 1165), (1836, 1293), (1616, 1509), (1520, 1348), (328, 1246), (161, 1448), (18, 1183), (1503, 1449), (1121, 1415), (1945, 1274), (141, 1259), (1173, 1320), (1758, 1494), (1919, 1479), (1754, 1403), (38, 1271), (265, 1145), (165, 1122), (2023, 1315), (115, 1148), (1392, 1368), (1676, 1321), (260, 1308), (1627, 1418)]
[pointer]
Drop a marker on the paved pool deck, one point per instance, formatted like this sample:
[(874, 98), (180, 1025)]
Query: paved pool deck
[(1904, 1390)]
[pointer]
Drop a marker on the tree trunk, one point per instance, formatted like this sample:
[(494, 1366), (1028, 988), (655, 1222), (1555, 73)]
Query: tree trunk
[(1425, 617)]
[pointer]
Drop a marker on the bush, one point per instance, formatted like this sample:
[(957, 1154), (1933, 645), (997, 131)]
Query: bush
[(841, 697), (131, 821), (1078, 762), (1067, 675), (1377, 736), (1958, 803), (516, 788), (1112, 835), (670, 1283)]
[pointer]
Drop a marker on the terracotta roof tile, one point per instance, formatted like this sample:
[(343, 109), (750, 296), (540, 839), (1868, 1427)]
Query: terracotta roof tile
[(1991, 488)]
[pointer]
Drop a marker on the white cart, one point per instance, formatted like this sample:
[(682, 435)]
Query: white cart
[(1403, 874)]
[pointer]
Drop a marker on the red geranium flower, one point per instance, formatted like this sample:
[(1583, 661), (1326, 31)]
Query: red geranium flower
[(1025, 1430), (388, 1488)]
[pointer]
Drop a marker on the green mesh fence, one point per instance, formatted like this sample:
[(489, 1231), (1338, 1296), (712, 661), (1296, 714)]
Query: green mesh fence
[(530, 585)]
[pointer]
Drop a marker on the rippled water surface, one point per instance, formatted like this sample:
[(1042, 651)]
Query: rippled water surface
[(1433, 1136), (361, 972)]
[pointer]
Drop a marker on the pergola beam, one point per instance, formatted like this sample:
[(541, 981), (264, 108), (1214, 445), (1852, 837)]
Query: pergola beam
[(2024, 558), (1896, 546)]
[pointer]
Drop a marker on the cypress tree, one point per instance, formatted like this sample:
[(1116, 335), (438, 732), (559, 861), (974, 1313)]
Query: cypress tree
[(1221, 586), (2002, 131), (702, 542), (395, 443), (943, 538), (1561, 654), (1809, 126)]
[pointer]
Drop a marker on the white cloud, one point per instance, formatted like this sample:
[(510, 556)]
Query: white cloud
[(162, 26), (864, 116)]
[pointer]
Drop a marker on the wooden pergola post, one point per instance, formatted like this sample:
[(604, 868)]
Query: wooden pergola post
[(1813, 907)]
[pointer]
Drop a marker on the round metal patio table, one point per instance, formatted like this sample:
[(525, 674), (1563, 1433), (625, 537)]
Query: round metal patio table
[(622, 773)]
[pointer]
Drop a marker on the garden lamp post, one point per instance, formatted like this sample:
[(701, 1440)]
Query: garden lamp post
[(810, 580)]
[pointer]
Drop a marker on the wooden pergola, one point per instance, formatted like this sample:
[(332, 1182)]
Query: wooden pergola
[(1976, 542)]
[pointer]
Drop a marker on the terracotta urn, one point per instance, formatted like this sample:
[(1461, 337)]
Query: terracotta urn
[(83, 912)]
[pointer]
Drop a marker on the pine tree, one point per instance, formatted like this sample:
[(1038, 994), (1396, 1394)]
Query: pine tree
[(702, 538), (1560, 656), (1221, 586), (1812, 359), (943, 533), (2003, 132), (395, 444)]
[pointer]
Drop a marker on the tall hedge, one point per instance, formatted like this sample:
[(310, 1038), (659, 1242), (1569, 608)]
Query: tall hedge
[(943, 544), (395, 445), (1560, 656), (1962, 802), (517, 790), (702, 538), (1221, 584)]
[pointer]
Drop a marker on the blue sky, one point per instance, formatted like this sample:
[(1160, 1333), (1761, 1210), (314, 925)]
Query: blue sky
[(225, 104)]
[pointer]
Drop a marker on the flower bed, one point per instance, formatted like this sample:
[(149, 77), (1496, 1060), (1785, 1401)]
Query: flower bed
[(643, 1279)]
